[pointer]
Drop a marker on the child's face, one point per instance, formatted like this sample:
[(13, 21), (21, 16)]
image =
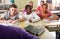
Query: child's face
[(13, 10), (41, 3), (44, 8), (28, 10)]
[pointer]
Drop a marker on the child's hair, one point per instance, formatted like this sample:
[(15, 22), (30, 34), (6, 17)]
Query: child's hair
[(13, 5), (31, 2), (42, 1), (28, 6), (45, 5)]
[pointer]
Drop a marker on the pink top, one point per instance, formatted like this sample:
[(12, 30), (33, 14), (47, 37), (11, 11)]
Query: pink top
[(24, 11), (39, 8)]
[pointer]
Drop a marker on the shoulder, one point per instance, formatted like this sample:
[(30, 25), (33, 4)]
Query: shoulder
[(38, 6), (7, 12), (24, 13), (33, 13)]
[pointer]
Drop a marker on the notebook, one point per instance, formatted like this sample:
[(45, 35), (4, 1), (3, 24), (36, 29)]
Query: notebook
[(35, 30)]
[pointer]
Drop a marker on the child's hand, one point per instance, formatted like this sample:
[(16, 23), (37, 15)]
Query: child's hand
[(30, 20), (10, 21)]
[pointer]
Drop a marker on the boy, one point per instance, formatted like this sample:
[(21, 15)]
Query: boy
[(12, 15), (29, 15)]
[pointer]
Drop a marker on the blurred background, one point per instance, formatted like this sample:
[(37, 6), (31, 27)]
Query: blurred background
[(52, 4)]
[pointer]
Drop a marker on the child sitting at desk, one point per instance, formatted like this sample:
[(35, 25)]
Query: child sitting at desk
[(45, 14), (29, 15), (12, 15)]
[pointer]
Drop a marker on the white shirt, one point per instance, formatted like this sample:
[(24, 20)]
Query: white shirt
[(33, 16), (7, 15)]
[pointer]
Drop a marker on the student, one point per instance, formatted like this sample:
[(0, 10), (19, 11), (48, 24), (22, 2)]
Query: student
[(29, 15), (39, 8), (12, 14), (45, 14), (31, 4), (8, 32)]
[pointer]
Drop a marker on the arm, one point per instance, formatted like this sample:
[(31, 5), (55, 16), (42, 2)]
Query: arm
[(2, 17), (55, 17), (35, 17), (37, 10), (17, 20), (21, 18)]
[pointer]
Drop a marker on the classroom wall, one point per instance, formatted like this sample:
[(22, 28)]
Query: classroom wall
[(21, 3)]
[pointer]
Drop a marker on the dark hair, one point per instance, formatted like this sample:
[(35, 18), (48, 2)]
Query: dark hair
[(13, 5), (31, 2), (28, 6), (42, 1), (45, 5)]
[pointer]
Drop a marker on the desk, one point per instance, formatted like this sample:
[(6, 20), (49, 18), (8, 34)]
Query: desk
[(53, 26), (45, 35), (56, 11)]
